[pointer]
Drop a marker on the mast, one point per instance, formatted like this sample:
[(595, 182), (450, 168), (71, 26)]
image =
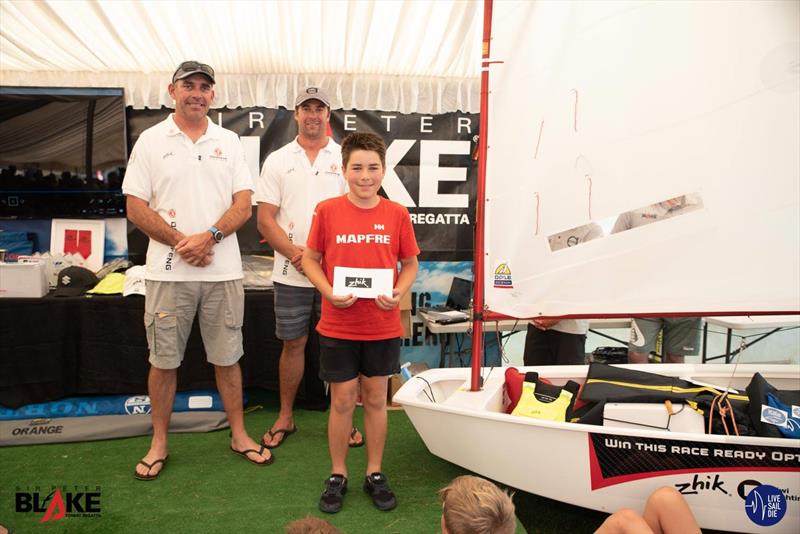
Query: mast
[(477, 303)]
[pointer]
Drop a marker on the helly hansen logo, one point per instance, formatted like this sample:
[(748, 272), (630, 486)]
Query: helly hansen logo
[(378, 239), (377, 227)]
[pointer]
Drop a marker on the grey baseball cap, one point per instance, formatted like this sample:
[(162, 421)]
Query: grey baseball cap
[(312, 93), (187, 68)]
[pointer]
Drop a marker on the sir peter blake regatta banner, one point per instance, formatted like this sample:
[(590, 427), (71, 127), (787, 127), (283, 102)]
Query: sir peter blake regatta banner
[(429, 166)]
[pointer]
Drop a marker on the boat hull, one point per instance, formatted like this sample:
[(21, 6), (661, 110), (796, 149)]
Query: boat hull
[(608, 468)]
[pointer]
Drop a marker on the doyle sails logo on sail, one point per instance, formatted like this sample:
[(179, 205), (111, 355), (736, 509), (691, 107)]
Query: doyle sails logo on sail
[(502, 276)]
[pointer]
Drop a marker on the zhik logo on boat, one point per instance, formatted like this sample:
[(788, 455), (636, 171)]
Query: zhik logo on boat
[(139, 405), (59, 502), (502, 276), (765, 505)]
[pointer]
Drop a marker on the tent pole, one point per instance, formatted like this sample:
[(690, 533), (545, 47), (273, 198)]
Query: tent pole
[(477, 303), (88, 151)]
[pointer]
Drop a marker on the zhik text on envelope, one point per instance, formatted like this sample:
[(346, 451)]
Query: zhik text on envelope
[(362, 283)]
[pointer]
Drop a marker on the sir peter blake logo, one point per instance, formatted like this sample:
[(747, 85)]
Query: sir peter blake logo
[(57, 502)]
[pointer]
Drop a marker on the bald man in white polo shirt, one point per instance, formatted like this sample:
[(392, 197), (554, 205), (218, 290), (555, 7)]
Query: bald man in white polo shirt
[(189, 189)]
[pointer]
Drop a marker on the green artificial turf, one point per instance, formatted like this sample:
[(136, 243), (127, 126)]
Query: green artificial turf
[(206, 488)]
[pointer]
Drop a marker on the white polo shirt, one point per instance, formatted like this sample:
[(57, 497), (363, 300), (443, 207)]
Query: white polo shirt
[(288, 180), (190, 185)]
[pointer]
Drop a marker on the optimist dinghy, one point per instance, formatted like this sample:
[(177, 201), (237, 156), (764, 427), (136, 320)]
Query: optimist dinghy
[(596, 111)]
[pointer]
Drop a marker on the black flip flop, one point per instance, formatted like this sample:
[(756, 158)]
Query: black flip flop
[(148, 476), (358, 443), (245, 452), (286, 432)]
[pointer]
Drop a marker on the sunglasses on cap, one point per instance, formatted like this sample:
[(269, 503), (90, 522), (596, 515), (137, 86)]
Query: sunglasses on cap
[(187, 68)]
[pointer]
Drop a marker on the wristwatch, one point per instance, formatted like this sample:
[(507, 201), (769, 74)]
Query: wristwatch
[(216, 233)]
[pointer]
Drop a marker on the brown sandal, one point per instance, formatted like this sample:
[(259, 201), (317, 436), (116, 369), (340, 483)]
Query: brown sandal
[(357, 443), (286, 432), (148, 476), (245, 452)]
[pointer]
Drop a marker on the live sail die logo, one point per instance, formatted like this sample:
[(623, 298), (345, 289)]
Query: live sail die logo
[(57, 502), (765, 505)]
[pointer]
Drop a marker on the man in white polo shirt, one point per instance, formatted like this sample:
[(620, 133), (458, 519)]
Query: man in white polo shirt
[(188, 188), (294, 179)]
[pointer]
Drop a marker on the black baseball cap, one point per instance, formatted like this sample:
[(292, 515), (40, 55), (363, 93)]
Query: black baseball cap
[(74, 281), (187, 68)]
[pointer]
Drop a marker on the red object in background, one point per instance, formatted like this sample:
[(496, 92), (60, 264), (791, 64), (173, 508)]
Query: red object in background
[(79, 241)]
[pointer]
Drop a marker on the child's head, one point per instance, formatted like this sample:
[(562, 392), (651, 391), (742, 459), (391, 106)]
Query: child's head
[(363, 141), (473, 505), (311, 525), (363, 164)]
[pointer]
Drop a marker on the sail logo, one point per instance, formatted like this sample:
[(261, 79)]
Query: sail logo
[(502, 276), (765, 505)]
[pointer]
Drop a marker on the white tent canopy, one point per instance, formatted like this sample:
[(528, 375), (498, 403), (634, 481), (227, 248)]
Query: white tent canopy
[(399, 55)]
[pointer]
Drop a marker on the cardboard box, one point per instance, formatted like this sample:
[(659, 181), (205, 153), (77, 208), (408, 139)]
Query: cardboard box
[(405, 314), (395, 381), (23, 280)]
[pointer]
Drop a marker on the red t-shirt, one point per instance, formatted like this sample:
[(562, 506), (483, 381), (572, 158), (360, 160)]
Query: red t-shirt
[(393, 239)]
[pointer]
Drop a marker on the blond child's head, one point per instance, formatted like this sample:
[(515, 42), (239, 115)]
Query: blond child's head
[(473, 505), (311, 525)]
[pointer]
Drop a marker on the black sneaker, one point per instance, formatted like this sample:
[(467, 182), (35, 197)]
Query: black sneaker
[(332, 498), (378, 488)]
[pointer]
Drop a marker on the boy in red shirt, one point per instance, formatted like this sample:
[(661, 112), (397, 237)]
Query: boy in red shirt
[(359, 337)]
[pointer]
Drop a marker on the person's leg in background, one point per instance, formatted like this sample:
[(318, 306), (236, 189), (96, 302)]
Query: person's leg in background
[(571, 348), (644, 332), (682, 336), (540, 347)]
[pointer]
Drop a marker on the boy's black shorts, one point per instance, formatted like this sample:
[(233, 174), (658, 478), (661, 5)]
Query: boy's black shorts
[(341, 360)]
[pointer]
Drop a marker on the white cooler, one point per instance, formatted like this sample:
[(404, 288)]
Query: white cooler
[(23, 280)]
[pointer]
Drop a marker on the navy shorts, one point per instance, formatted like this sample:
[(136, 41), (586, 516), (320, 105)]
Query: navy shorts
[(341, 360)]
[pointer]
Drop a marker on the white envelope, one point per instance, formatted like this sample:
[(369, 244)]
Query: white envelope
[(362, 283)]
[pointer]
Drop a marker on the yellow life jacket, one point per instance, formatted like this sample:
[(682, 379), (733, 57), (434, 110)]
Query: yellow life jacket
[(545, 401)]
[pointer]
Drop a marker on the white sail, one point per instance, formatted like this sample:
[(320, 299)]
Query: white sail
[(600, 108)]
